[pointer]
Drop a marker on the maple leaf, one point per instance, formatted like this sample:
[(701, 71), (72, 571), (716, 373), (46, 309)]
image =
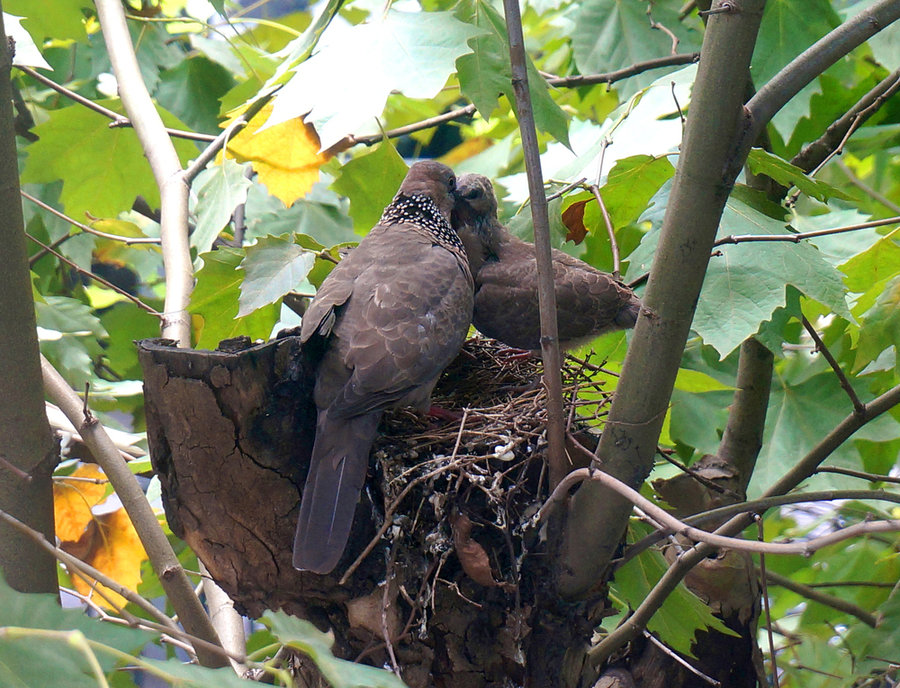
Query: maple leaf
[(285, 155)]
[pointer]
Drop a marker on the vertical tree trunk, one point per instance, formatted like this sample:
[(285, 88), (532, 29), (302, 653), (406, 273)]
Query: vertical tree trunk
[(27, 451)]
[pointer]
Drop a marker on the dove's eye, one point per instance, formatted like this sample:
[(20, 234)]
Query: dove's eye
[(473, 193)]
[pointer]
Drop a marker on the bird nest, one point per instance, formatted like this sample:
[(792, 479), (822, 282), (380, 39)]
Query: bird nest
[(480, 468)]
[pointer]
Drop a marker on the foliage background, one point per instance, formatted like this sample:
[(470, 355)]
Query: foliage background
[(311, 173)]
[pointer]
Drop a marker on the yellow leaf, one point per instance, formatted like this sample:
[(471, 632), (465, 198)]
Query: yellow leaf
[(73, 500), (118, 553), (286, 157)]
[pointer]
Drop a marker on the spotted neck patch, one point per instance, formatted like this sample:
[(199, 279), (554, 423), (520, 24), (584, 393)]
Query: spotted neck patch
[(421, 211)]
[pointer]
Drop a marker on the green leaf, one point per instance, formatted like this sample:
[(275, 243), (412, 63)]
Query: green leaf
[(697, 382), (880, 328), (215, 301), (40, 661), (800, 414), (125, 323), (345, 85), (876, 264), (681, 615), (613, 34), (58, 19), (274, 266), (191, 91), (340, 673), (631, 184), (177, 673), (786, 174), (788, 28), (370, 182), (485, 72), (69, 334), (746, 284), (221, 189), (103, 169)]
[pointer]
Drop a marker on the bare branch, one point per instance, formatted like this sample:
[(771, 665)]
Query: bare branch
[(813, 154), (873, 477), (668, 523), (866, 189), (117, 119), (97, 278), (800, 236), (164, 162), (166, 565), (802, 470), (75, 563), (858, 406), (822, 598), (558, 462)]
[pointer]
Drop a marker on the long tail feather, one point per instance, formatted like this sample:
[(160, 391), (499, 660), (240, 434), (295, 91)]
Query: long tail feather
[(336, 476)]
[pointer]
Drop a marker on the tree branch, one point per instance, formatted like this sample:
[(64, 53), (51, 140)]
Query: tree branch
[(806, 67), (166, 168), (842, 379), (822, 598), (873, 477), (558, 462), (117, 119), (166, 565), (90, 275), (665, 522), (25, 437), (815, 153), (743, 434), (800, 236), (802, 470), (598, 518)]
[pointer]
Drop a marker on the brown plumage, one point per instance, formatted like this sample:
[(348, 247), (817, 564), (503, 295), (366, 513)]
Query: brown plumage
[(589, 302), (388, 320)]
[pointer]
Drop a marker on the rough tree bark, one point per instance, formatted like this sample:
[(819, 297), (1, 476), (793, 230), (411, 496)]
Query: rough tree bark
[(28, 453)]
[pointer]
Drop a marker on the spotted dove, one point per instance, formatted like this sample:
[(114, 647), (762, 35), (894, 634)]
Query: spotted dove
[(387, 321), (589, 302)]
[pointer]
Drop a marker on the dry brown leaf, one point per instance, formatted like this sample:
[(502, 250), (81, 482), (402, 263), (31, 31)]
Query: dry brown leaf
[(286, 156), (573, 219), (471, 555)]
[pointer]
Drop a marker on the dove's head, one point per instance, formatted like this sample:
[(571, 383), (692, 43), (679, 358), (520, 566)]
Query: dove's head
[(434, 180)]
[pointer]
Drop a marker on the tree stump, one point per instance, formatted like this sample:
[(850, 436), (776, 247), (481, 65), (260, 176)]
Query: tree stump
[(446, 574)]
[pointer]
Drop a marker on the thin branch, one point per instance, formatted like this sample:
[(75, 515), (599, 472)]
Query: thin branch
[(873, 477), (811, 593), (666, 522), (117, 119), (858, 406), (171, 575), (866, 189), (559, 81), (800, 236), (619, 74), (87, 273), (675, 657), (76, 563), (164, 163), (86, 228), (757, 506), (687, 561), (557, 459), (768, 611), (814, 153)]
